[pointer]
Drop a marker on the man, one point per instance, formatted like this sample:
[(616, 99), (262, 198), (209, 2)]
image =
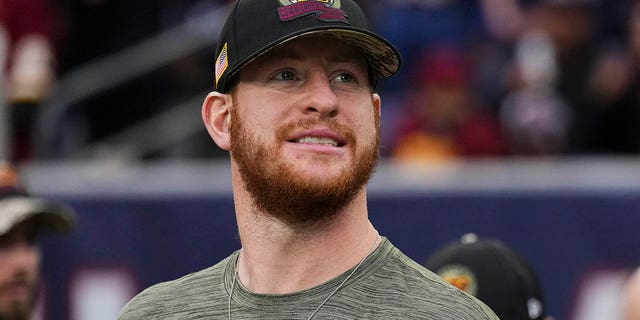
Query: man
[(22, 219), (631, 297), (494, 273), (294, 105)]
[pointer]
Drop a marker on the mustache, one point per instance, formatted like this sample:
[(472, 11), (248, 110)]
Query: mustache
[(283, 131), (20, 280)]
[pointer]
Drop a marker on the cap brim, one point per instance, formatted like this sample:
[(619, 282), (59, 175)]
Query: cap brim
[(384, 58), (382, 55), (45, 214)]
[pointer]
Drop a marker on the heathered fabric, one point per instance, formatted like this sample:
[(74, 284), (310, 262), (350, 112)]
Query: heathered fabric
[(388, 285)]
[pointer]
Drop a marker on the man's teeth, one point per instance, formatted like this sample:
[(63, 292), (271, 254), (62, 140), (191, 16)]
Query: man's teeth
[(318, 141)]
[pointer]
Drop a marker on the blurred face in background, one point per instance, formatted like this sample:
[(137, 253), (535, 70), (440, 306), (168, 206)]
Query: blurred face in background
[(631, 298), (19, 268)]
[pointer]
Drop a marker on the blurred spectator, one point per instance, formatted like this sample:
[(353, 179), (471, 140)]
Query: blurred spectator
[(614, 82), (631, 298), (588, 106), (494, 273), (441, 119), (535, 118), (22, 220), (547, 108), (505, 21), (572, 29), (615, 127), (27, 69)]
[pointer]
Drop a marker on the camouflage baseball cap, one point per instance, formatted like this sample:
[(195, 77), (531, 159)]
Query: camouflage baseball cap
[(256, 26)]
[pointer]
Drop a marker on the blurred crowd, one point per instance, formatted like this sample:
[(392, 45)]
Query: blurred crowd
[(514, 78), (481, 78)]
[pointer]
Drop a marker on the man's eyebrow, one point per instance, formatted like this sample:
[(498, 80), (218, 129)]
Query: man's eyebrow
[(282, 54), (347, 58)]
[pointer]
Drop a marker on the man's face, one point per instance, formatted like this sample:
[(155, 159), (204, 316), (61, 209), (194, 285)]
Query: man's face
[(19, 267), (305, 128)]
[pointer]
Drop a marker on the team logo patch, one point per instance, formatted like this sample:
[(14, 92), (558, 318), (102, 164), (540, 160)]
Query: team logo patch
[(460, 277), (324, 10), (222, 62)]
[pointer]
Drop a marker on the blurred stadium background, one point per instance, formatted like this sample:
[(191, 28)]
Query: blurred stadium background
[(514, 119)]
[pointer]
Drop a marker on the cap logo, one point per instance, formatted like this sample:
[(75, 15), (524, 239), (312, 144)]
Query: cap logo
[(325, 10), (460, 277), (222, 62)]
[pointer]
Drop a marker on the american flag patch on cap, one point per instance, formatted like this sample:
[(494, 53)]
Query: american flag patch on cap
[(222, 62)]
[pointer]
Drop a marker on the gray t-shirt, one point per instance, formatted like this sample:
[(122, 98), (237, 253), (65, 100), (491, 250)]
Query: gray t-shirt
[(388, 285)]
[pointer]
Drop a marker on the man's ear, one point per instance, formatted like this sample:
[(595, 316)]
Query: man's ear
[(216, 114), (377, 103)]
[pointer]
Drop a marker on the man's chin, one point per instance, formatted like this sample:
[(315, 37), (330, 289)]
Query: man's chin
[(320, 179), (316, 163)]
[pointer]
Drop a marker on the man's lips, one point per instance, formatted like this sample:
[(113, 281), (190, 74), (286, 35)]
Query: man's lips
[(17, 289), (318, 137)]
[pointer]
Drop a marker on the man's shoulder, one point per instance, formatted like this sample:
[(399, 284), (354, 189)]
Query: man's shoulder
[(168, 298), (418, 286)]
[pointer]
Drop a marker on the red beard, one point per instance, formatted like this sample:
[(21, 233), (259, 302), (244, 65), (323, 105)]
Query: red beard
[(283, 193), (19, 309)]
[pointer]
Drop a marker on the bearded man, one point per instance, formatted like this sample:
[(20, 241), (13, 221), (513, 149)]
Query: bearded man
[(22, 219), (295, 106)]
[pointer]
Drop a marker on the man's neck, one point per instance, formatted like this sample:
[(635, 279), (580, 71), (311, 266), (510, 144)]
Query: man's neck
[(277, 258)]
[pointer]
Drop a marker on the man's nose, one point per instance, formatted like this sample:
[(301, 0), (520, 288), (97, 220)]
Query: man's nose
[(320, 96), (22, 253)]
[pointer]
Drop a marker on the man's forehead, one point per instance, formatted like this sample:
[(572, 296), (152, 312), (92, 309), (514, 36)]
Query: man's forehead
[(333, 50), (21, 231)]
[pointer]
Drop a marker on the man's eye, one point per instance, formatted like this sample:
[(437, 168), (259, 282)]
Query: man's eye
[(285, 76), (345, 77)]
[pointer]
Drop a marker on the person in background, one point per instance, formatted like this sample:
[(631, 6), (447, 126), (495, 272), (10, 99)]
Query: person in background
[(22, 219), (560, 40), (441, 119), (494, 273), (614, 84)]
